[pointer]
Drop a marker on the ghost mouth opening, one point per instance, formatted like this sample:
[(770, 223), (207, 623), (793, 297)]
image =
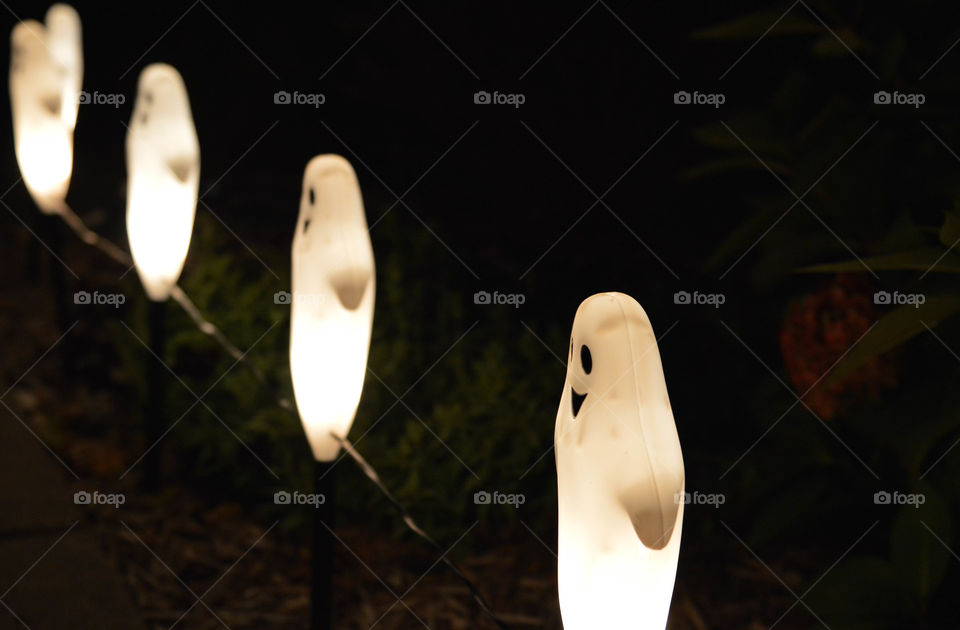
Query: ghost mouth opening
[(576, 401), (52, 105), (181, 168), (350, 286)]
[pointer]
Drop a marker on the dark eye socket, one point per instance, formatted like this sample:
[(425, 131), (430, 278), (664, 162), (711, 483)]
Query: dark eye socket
[(306, 225), (311, 197), (148, 97), (586, 360)]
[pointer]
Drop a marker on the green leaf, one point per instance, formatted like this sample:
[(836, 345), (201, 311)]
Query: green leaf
[(861, 593), (760, 136), (787, 508), (755, 25), (766, 210), (922, 259), (830, 46), (921, 559), (916, 449), (950, 230), (895, 328), (902, 234)]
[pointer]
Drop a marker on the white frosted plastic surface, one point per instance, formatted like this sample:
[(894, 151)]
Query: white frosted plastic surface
[(163, 177), (46, 72), (333, 286)]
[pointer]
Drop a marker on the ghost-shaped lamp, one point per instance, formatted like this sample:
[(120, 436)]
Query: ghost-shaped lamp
[(46, 72), (332, 297), (163, 177), (620, 478), (331, 317)]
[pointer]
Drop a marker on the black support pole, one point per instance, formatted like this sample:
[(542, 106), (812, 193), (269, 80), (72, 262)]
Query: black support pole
[(321, 591), (156, 387), (58, 280)]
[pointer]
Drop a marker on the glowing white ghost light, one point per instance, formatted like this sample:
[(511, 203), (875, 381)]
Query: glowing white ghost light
[(619, 473), (331, 302), (46, 72), (163, 176)]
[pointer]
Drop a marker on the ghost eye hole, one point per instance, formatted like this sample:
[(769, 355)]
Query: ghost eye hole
[(306, 225), (586, 360), (311, 196)]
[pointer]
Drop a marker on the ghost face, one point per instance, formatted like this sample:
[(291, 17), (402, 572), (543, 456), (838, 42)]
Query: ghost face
[(163, 178), (162, 116), (332, 239), (615, 416), (332, 302), (45, 74)]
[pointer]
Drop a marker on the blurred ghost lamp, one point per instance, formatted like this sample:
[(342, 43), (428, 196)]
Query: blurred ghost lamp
[(620, 477), (163, 177), (331, 300), (46, 72)]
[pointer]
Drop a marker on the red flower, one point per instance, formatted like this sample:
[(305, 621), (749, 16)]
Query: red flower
[(818, 330)]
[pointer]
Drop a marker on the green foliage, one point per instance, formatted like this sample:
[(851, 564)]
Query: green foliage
[(881, 196), (916, 549), (471, 416), (873, 592), (895, 328), (758, 24)]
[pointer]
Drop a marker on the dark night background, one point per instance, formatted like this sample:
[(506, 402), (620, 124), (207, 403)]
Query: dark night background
[(497, 198)]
